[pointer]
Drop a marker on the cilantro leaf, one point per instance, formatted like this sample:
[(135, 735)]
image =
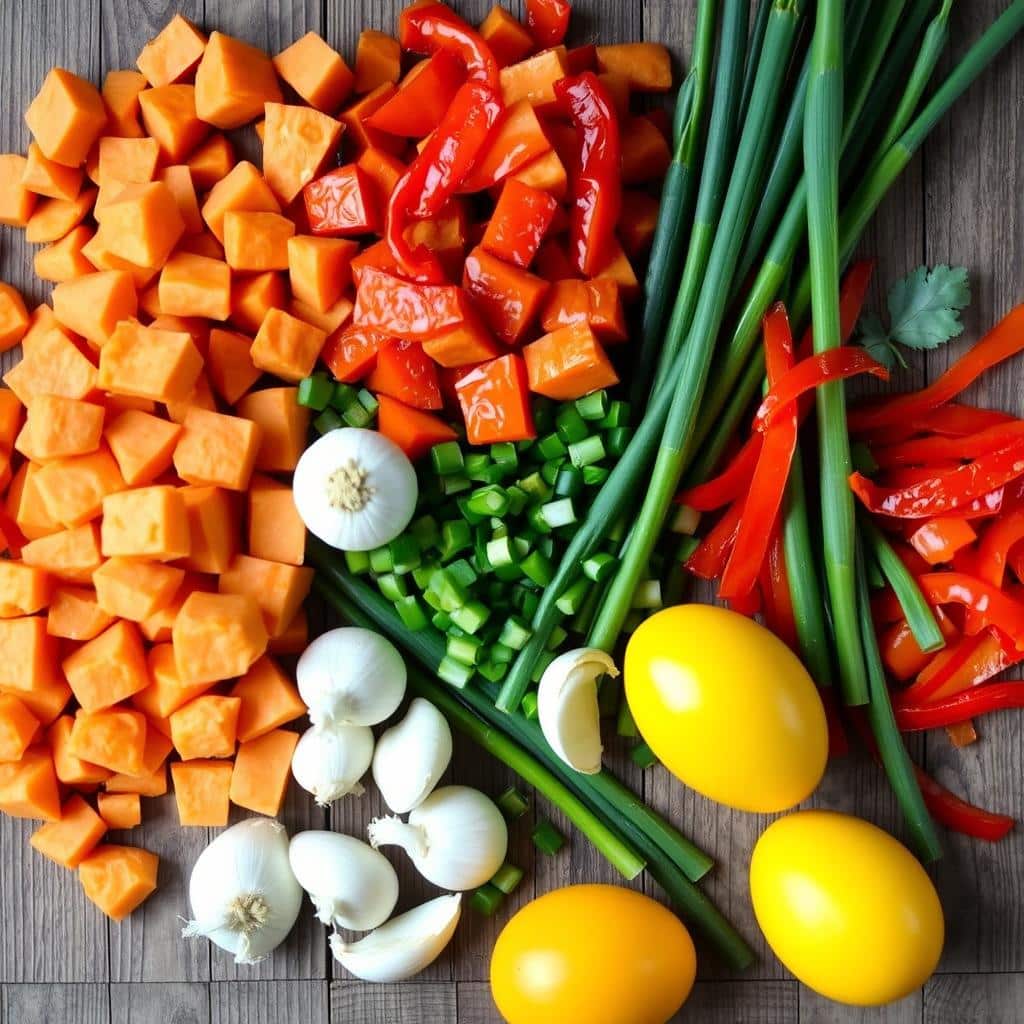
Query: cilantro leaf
[(924, 307)]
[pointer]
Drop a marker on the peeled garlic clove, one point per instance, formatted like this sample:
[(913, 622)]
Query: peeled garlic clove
[(405, 945), (411, 756), (329, 760), (568, 710)]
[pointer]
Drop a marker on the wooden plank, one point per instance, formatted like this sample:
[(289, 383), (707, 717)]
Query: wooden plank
[(815, 1009), (975, 217), (47, 1004), (156, 1003), (753, 1002), (476, 1005), (269, 1002), (417, 1003), (973, 998)]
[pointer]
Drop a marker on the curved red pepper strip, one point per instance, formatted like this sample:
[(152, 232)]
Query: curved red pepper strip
[(431, 27), (833, 364), (946, 493), (730, 483), (939, 671), (709, 557), (960, 816), (776, 599), (548, 21), (960, 420), (852, 293), (981, 700), (597, 183), (1002, 341), (994, 606), (929, 450), (992, 554)]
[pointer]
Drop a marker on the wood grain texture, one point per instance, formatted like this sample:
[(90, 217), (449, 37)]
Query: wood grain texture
[(54, 1004), (422, 1003), (974, 999), (156, 1003), (269, 1002)]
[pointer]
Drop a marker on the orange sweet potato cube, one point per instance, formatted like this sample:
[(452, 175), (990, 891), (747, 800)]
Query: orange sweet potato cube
[(18, 727), (72, 770), (10, 418), (120, 811), (48, 178), (229, 365), (166, 693), (142, 223), (275, 530), (100, 255), (242, 189), (75, 614), (67, 842), (233, 82), (211, 161), (58, 428), (196, 286), (295, 638), (213, 529), (269, 700), (217, 636), (145, 785), (123, 162), (13, 317), (52, 366), (178, 178), (72, 490), (318, 268), (114, 738), (262, 771), (256, 241), (121, 95), (118, 878), (54, 218), (72, 555), (149, 362), (142, 444), (278, 589), (206, 727), (108, 669), (156, 628), (26, 505), (16, 201), (286, 346), (378, 60), (316, 72), (24, 589), (66, 117), (28, 654), (201, 791), (252, 298), (135, 590), (297, 142), (172, 53), (94, 304), (169, 114), (65, 260), (283, 426), (148, 522), (217, 449), (47, 702), (28, 788)]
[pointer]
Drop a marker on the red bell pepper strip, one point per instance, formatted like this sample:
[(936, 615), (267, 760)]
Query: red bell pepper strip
[(597, 183), (548, 21), (938, 540), (351, 353), (776, 599), (430, 27), (764, 498), (995, 607), (993, 552), (980, 700), (404, 371), (733, 481), (406, 310), (852, 293), (960, 420), (435, 175), (960, 816), (342, 202), (928, 450), (1002, 341), (939, 674), (748, 604), (422, 98), (709, 557), (810, 373)]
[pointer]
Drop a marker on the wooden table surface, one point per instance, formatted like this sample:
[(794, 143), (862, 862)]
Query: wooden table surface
[(961, 201)]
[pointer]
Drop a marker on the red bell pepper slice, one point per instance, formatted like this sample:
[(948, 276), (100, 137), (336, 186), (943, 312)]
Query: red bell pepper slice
[(427, 28), (938, 540), (519, 223), (948, 493), (972, 661), (995, 607), (404, 309), (597, 182), (980, 700), (994, 549), (351, 353), (495, 401), (415, 432), (404, 371), (810, 373), (776, 599), (581, 58), (548, 21), (733, 481), (960, 420), (709, 557), (960, 816), (436, 174), (768, 484), (422, 98), (929, 450), (342, 202), (1002, 341), (852, 293), (748, 604)]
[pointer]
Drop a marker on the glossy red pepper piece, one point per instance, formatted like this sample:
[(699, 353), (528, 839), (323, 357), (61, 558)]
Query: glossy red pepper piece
[(949, 493), (960, 420), (581, 58), (852, 293), (929, 450), (404, 371), (438, 171), (422, 98), (961, 707), (971, 661), (518, 140), (495, 401), (994, 549), (938, 540), (427, 28), (597, 184), (709, 557), (519, 223), (351, 353), (405, 309), (508, 298), (776, 598), (960, 816), (994, 606), (548, 21), (342, 202)]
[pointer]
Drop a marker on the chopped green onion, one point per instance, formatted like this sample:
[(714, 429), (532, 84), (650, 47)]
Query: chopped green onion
[(315, 392), (537, 567), (343, 396), (558, 513), (595, 476), (529, 705), (476, 464), (447, 458), (471, 616), (618, 440), (493, 671), (504, 454), (586, 451), (356, 415), (464, 649), (405, 553), (600, 566), (547, 838), (381, 560), (327, 421), (486, 899), (456, 536), (569, 603), (647, 595), (357, 562), (412, 614), (462, 573), (617, 416), (570, 425), (514, 633), (502, 654), (569, 482), (455, 672), (507, 878), (550, 447), (392, 587), (593, 406), (454, 484), (425, 530), (512, 803), (441, 621), (488, 501)]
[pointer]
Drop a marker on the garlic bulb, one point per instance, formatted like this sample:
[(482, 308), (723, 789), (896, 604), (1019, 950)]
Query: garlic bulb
[(349, 884), (355, 489), (457, 837), (351, 676), (244, 896), (567, 706), (405, 945), (412, 756), (329, 760)]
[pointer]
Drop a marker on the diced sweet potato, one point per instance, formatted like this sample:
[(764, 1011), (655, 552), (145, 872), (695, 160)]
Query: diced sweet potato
[(206, 727), (195, 286), (509, 40), (243, 189), (72, 555), (18, 727), (67, 842), (211, 162), (233, 82), (172, 53), (118, 878), (166, 693), (66, 117), (378, 61), (142, 223), (283, 425), (114, 738), (149, 362), (328, 321), (16, 201), (48, 701), (120, 811), (297, 142), (269, 700), (102, 257), (295, 638), (262, 771), (213, 529), (124, 162), (75, 614), (144, 785), (201, 789), (316, 72), (252, 298), (58, 428), (94, 304), (568, 363), (229, 365), (156, 628), (276, 532), (217, 636), (65, 259), (72, 490), (72, 770), (178, 178), (286, 346), (646, 66), (10, 418), (135, 590), (53, 366), (25, 503), (217, 449), (28, 788), (256, 241), (318, 268), (278, 589), (534, 78), (121, 95), (28, 654), (108, 670), (24, 589), (142, 444), (48, 178), (148, 522)]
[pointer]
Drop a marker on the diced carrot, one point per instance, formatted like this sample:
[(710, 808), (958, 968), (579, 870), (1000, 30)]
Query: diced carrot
[(262, 771), (415, 432), (546, 174), (330, 320), (216, 449), (75, 614), (120, 811), (361, 135), (18, 727), (211, 162), (118, 878), (218, 636), (27, 654), (16, 201), (156, 628), (172, 53), (142, 444), (24, 589), (276, 532), (121, 95), (135, 590), (59, 427), (206, 727), (64, 260), (534, 79), (147, 522), (509, 40), (53, 366), (295, 638), (108, 669), (72, 555), (316, 72), (378, 61), (102, 257), (233, 82), (213, 529), (178, 178), (256, 241), (67, 842), (568, 363), (142, 223), (269, 700), (144, 785), (647, 66), (124, 162), (243, 189), (318, 268), (66, 117), (463, 344), (297, 141), (94, 304), (201, 789), (637, 221), (645, 153), (52, 219), (169, 114), (278, 589), (253, 297), (149, 362), (596, 303), (72, 770), (196, 286), (48, 178), (620, 270), (283, 425)]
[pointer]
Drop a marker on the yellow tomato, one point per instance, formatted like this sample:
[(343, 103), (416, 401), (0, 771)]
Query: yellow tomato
[(727, 707), (846, 907), (598, 954)]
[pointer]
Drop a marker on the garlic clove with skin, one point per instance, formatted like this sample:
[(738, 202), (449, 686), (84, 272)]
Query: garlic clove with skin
[(568, 710), (405, 945), (329, 761), (411, 757)]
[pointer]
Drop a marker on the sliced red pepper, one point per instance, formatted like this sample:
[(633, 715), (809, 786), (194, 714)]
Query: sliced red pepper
[(928, 450), (960, 420), (709, 557), (581, 58), (748, 604), (948, 493), (980, 700), (597, 184), (342, 202), (351, 353), (422, 98), (960, 816), (938, 540), (517, 141), (733, 481), (768, 484), (1002, 341), (548, 21), (974, 661), (852, 293), (429, 27), (993, 553), (994, 607), (404, 371), (519, 223), (495, 401), (508, 298), (404, 309), (810, 373), (776, 599)]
